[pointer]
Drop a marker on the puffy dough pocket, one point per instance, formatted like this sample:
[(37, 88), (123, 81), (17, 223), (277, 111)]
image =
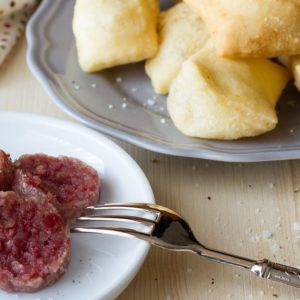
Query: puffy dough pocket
[(218, 98), (111, 33), (254, 28), (181, 34)]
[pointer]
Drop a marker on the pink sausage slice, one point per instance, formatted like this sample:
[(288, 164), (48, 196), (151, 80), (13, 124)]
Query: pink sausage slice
[(6, 171), (74, 184), (34, 243)]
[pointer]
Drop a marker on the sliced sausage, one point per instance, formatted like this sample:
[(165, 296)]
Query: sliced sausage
[(74, 184), (34, 243), (26, 185), (6, 171)]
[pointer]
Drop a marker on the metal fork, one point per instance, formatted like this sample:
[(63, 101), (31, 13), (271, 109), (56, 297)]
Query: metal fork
[(165, 228)]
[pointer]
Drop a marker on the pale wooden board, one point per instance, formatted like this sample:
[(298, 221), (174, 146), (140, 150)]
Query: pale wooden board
[(246, 199)]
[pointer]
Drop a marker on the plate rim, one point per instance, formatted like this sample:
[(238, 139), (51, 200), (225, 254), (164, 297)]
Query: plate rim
[(45, 120), (39, 69)]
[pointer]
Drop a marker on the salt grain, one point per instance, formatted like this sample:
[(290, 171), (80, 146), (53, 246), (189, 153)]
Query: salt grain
[(257, 211), (124, 99), (255, 238), (119, 79), (274, 248), (267, 234), (94, 85), (151, 102), (110, 106), (291, 131), (261, 293), (271, 185), (296, 226), (124, 105), (133, 89), (76, 85), (162, 121)]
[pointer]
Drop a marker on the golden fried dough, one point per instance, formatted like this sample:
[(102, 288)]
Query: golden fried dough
[(181, 34), (110, 33), (154, 6), (295, 66), (257, 28), (219, 98)]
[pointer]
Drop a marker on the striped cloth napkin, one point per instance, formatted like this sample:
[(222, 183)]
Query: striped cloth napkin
[(13, 18)]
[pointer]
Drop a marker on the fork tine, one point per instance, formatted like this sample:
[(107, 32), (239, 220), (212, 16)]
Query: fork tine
[(108, 222), (148, 206), (114, 217), (119, 231), (121, 211)]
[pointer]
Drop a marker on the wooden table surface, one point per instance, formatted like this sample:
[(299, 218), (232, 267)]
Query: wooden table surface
[(247, 209)]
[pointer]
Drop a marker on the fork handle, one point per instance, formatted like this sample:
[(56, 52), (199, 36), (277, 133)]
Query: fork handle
[(262, 268), (277, 272)]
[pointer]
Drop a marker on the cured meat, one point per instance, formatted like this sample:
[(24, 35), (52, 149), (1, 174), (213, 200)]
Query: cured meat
[(73, 184), (34, 243), (6, 171), (26, 185)]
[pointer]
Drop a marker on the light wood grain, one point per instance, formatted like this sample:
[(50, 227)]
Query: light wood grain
[(245, 200)]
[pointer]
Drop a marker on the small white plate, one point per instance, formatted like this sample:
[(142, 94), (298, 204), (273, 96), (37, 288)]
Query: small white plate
[(101, 265)]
